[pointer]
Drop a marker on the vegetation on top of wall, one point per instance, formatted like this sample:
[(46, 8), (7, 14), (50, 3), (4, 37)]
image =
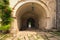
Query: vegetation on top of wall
[(5, 15)]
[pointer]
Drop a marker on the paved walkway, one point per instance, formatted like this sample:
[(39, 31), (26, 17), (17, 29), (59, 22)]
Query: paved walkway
[(26, 35), (33, 35)]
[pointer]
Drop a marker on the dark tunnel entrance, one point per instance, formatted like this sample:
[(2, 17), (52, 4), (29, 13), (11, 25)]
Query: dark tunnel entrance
[(30, 23)]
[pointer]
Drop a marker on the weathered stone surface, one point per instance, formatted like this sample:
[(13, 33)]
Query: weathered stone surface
[(58, 15), (44, 13)]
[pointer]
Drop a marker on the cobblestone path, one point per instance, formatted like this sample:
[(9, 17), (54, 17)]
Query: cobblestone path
[(26, 35), (33, 35)]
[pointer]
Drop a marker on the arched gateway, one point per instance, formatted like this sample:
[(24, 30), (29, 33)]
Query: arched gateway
[(35, 12)]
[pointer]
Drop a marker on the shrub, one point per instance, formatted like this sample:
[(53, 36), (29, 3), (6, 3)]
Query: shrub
[(5, 15), (6, 27)]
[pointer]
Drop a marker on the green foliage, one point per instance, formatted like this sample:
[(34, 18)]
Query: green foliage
[(5, 14), (5, 27), (6, 1)]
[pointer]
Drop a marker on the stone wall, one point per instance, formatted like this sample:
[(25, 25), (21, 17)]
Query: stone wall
[(58, 15), (50, 4)]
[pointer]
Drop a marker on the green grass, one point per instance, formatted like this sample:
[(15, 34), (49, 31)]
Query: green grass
[(57, 33)]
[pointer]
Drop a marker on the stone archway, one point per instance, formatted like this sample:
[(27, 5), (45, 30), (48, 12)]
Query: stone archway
[(28, 12), (37, 10)]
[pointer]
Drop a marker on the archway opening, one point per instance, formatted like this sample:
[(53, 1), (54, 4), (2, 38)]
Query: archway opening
[(29, 21), (31, 12)]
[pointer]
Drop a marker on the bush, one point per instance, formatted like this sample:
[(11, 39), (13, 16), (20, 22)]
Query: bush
[(5, 15), (6, 27)]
